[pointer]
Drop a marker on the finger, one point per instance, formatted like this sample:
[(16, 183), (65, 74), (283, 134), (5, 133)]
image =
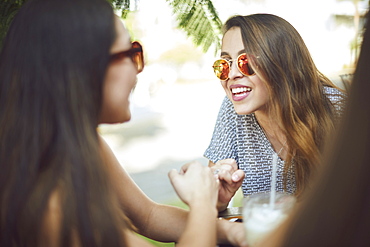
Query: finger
[(208, 172), (173, 174), (215, 171), (184, 168), (238, 176), (226, 167), (230, 163), (218, 183), (225, 176)]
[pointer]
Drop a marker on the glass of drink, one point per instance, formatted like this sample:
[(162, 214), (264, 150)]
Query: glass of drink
[(264, 212)]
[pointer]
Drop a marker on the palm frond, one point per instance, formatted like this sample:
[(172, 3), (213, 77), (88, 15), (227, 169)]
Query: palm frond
[(122, 5), (8, 8), (200, 21), (198, 18)]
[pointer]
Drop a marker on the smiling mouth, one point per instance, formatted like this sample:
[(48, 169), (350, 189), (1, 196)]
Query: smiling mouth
[(240, 90)]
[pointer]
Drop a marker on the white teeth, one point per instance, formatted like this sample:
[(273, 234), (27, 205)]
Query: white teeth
[(241, 89)]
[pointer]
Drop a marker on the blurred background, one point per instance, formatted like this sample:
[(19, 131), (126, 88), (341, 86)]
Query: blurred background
[(176, 101)]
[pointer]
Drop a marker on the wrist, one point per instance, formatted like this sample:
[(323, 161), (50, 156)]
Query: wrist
[(203, 205), (222, 206), (230, 233), (223, 228)]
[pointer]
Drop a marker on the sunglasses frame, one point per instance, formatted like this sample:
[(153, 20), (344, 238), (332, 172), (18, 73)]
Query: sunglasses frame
[(135, 53), (229, 63)]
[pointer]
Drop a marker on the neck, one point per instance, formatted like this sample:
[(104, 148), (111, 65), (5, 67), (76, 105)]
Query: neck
[(270, 127), (272, 132)]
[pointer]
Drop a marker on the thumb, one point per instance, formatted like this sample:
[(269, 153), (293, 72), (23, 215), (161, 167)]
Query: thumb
[(238, 175), (173, 174)]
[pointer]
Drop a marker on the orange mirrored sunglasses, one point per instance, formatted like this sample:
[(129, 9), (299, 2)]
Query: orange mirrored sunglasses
[(222, 67), (135, 53)]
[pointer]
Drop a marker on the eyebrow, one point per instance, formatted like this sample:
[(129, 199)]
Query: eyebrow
[(224, 53)]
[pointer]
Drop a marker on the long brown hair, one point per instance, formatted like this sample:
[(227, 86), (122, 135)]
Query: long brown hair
[(298, 103), (336, 211), (52, 68)]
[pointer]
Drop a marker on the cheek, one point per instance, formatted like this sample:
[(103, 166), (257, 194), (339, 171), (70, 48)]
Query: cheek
[(116, 93), (116, 86), (265, 92), (224, 85), (262, 87)]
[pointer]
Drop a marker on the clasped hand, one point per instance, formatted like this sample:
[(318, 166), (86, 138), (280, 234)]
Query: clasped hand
[(230, 178), (195, 182)]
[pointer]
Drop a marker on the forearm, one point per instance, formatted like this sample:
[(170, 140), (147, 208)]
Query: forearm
[(201, 229), (165, 223), (188, 228), (173, 224)]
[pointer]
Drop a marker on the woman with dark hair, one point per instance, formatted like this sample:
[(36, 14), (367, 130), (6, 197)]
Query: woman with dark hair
[(277, 104), (65, 67), (335, 212)]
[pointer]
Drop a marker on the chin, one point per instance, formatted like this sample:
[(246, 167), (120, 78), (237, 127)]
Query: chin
[(122, 116), (127, 117), (241, 111), (126, 120), (122, 120), (116, 120)]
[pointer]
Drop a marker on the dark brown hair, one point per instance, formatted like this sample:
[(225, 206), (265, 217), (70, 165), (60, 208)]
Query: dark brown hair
[(52, 67), (336, 211)]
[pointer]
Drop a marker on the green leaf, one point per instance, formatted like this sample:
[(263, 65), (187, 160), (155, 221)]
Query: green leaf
[(200, 21), (8, 8), (122, 5), (198, 18)]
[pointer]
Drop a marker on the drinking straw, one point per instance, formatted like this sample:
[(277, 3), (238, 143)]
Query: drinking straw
[(273, 180)]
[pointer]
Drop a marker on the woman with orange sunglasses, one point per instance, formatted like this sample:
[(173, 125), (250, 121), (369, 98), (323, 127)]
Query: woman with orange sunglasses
[(277, 103)]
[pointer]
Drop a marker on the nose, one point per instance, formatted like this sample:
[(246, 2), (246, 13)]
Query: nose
[(234, 71)]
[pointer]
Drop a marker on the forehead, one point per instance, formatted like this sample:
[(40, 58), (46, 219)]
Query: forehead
[(232, 42)]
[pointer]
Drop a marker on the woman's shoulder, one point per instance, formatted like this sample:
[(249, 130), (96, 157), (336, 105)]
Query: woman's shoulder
[(334, 94), (332, 90), (337, 98), (51, 221)]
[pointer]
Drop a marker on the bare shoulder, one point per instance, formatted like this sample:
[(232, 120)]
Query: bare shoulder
[(105, 149), (107, 154), (110, 160), (52, 219)]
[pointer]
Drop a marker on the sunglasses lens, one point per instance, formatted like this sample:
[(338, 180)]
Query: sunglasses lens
[(138, 56), (244, 66), (221, 69)]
